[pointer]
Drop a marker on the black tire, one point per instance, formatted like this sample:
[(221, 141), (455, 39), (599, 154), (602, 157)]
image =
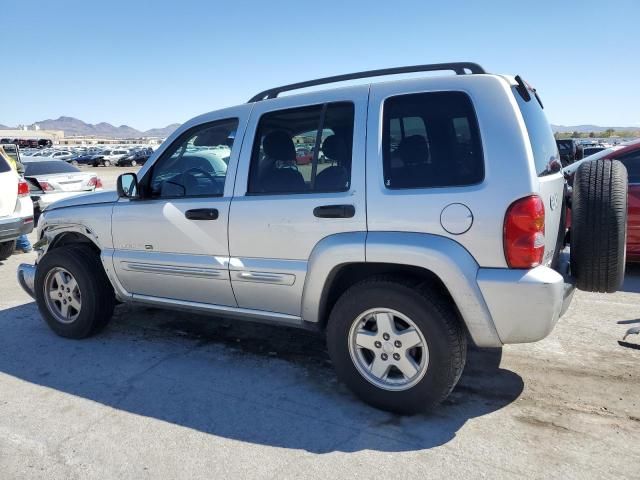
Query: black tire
[(434, 316), (6, 249), (98, 299), (106, 163), (133, 163), (599, 225)]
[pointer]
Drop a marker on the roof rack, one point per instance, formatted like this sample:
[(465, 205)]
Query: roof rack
[(460, 68)]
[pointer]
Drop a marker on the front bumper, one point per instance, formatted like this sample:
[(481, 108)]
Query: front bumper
[(525, 305), (12, 229), (27, 277)]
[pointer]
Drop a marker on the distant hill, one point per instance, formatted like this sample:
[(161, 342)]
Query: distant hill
[(590, 128), (74, 127)]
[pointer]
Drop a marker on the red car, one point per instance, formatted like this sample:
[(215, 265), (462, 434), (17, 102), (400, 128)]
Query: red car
[(304, 156), (629, 155)]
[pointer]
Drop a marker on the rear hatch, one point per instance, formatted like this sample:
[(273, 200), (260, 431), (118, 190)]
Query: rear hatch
[(551, 183), (8, 189)]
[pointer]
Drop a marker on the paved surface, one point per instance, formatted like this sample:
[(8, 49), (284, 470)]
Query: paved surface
[(166, 395)]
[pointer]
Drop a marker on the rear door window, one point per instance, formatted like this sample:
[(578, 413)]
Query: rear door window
[(303, 150), (431, 140), (543, 143)]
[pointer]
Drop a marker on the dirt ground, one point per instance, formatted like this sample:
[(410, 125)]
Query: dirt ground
[(168, 395)]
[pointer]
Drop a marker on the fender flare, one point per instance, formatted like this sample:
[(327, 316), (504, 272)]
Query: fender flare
[(445, 258)]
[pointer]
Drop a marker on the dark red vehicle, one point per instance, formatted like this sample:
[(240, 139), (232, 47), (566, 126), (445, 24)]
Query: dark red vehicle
[(629, 155), (304, 156)]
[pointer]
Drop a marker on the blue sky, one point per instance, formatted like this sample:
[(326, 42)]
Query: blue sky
[(148, 64)]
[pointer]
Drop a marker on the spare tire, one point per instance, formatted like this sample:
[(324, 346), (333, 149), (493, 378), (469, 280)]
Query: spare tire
[(599, 225)]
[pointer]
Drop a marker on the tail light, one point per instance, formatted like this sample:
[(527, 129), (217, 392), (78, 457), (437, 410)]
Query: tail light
[(23, 188), (95, 182), (524, 233), (45, 186)]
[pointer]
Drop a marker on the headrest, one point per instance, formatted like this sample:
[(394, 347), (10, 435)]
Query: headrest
[(278, 145), (335, 149), (414, 150), (212, 137)]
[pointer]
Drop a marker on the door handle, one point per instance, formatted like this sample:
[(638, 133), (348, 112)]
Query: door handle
[(335, 211), (202, 214)]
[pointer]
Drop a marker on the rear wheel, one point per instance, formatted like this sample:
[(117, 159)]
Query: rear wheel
[(398, 346), (6, 249), (106, 163), (133, 163), (599, 225), (73, 293)]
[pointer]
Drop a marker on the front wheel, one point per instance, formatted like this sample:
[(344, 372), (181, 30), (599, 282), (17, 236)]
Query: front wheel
[(398, 346), (73, 293), (106, 163)]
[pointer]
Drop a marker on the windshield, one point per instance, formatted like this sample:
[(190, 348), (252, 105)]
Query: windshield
[(32, 169)]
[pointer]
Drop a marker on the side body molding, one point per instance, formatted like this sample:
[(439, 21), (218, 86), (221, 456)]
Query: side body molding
[(328, 254), (451, 263)]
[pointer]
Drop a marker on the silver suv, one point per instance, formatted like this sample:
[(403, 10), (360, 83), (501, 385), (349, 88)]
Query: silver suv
[(432, 212)]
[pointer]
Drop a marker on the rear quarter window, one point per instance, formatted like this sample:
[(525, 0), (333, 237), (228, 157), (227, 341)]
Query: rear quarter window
[(543, 143), (431, 140), (4, 166)]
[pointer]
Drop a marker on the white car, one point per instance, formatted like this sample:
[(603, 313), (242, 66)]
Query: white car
[(52, 180), (111, 157), (16, 209)]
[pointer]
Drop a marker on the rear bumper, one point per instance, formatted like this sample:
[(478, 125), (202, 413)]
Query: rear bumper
[(525, 305), (13, 228), (26, 278)]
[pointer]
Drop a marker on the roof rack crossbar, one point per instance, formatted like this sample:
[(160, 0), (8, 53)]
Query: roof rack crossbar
[(460, 68)]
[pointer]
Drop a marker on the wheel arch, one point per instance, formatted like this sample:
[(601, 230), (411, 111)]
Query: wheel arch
[(342, 259)]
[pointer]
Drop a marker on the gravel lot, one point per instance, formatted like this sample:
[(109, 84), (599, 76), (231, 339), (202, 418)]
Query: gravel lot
[(167, 395)]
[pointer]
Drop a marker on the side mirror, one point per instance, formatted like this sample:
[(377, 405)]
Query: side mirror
[(128, 185)]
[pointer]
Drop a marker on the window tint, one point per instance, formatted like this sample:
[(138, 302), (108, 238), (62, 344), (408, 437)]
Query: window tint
[(431, 140), (303, 150), (632, 162), (42, 168), (196, 163), (543, 143)]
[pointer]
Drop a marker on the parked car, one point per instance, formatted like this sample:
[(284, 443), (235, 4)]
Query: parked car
[(16, 208), (110, 157), (86, 158), (52, 180), (398, 253), (65, 155), (570, 151), (137, 157), (629, 155)]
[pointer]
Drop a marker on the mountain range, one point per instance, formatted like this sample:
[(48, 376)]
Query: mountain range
[(590, 128), (74, 127)]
